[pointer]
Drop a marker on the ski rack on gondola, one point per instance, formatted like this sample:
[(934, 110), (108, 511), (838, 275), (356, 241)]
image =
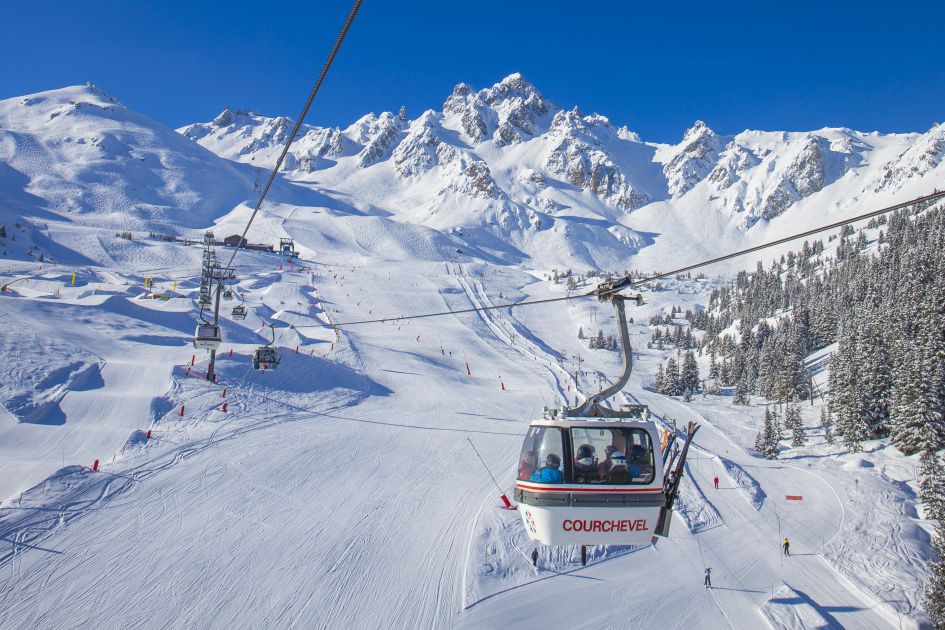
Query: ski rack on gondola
[(674, 460)]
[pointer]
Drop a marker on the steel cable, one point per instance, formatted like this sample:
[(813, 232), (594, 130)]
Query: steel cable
[(635, 283), (298, 124)]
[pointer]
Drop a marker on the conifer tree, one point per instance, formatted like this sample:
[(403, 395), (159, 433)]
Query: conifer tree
[(671, 376), (713, 364), (875, 380), (778, 426), (932, 485), (767, 441), (913, 407), (794, 422), (933, 599), (741, 396), (827, 424), (689, 376)]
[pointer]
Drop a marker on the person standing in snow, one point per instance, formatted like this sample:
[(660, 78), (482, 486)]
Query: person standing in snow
[(708, 577), (715, 481), (787, 547)]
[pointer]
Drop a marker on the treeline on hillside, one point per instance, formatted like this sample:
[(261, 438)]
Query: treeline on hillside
[(884, 306)]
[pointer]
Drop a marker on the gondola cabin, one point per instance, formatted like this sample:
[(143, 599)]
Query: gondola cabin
[(591, 481), (207, 337)]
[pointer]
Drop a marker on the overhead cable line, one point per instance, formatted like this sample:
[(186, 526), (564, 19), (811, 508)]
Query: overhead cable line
[(786, 239), (298, 124), (634, 283)]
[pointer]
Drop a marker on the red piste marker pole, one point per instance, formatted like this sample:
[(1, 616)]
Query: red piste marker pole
[(468, 371), (507, 505), (193, 358), (223, 408), (95, 466), (182, 411), (224, 393), (148, 435)]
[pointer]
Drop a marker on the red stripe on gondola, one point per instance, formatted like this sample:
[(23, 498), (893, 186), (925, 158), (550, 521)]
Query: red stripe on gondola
[(560, 488)]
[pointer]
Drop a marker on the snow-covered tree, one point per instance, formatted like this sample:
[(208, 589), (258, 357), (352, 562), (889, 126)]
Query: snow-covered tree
[(741, 395), (795, 424), (933, 599), (689, 376), (660, 382), (766, 442), (671, 381), (827, 423), (932, 484)]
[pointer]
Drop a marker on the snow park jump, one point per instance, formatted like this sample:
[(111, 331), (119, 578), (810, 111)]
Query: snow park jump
[(486, 362)]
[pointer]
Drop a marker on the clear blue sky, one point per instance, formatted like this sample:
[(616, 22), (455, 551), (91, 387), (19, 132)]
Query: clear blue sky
[(654, 66)]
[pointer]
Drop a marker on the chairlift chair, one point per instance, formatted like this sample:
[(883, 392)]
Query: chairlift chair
[(207, 336), (227, 294), (265, 357), (238, 312)]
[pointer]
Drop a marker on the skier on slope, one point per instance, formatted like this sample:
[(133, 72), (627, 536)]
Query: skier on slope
[(708, 577), (715, 481), (787, 547)]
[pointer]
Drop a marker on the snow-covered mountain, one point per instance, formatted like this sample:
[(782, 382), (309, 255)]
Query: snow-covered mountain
[(499, 174), (348, 472), (506, 164), (77, 158)]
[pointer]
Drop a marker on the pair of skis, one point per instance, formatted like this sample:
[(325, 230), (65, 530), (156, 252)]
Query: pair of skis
[(674, 459)]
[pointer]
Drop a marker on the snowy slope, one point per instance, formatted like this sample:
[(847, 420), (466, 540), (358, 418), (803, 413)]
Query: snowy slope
[(340, 490), (76, 166)]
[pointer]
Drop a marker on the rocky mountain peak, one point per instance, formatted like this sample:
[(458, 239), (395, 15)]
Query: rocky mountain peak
[(694, 159), (224, 119), (924, 155), (519, 108), (378, 135), (698, 132)]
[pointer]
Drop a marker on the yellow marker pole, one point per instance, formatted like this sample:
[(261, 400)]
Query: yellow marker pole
[(73, 278), (175, 286)]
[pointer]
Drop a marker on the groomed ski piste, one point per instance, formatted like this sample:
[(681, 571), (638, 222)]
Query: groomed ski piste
[(340, 490)]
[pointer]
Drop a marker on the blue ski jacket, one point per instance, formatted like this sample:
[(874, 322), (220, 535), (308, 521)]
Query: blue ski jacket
[(548, 475)]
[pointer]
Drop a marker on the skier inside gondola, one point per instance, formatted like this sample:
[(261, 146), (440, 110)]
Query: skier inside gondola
[(614, 467), (550, 472), (586, 464)]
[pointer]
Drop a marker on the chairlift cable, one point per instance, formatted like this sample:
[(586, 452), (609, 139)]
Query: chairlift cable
[(634, 283), (298, 125), (780, 241)]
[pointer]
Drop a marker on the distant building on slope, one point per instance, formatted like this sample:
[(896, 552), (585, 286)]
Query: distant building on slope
[(237, 241)]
